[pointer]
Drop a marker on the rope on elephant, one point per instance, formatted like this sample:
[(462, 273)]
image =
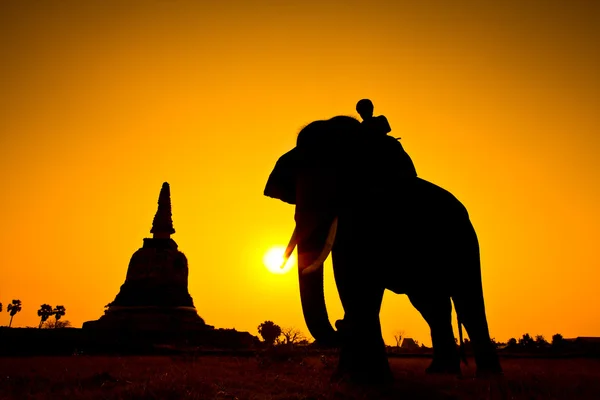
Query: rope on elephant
[(461, 349)]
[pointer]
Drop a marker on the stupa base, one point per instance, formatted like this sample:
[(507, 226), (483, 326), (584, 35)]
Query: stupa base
[(149, 318)]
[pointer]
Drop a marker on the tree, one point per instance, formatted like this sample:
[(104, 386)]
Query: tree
[(512, 342), (398, 337), (557, 340), (54, 324), (58, 312), (269, 331), (540, 341), (292, 335), (526, 341), (13, 308), (44, 313)]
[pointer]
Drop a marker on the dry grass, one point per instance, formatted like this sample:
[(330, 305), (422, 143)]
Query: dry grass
[(211, 377)]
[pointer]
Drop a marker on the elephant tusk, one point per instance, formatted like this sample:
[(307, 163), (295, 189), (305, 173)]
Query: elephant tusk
[(289, 249), (318, 263)]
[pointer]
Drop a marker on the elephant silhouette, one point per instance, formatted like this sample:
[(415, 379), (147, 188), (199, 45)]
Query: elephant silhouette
[(357, 197)]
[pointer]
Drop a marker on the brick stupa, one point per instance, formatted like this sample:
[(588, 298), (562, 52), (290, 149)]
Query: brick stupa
[(155, 294)]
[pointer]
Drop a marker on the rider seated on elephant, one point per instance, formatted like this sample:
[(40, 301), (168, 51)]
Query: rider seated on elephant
[(377, 125), (378, 128)]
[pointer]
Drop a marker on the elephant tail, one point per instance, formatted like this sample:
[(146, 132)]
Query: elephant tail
[(461, 350)]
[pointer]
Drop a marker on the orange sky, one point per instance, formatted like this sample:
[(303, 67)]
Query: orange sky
[(102, 102)]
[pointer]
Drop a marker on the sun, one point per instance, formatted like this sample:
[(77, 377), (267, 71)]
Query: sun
[(274, 258)]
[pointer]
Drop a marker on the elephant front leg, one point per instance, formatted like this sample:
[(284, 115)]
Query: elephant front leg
[(436, 309), (363, 358)]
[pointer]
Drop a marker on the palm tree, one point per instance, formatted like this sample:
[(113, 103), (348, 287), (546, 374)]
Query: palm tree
[(13, 309), (44, 312), (58, 312)]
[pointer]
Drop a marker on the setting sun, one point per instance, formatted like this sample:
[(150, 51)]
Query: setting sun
[(274, 258)]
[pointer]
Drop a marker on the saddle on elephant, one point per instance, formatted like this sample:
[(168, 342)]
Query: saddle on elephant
[(378, 125), (385, 157), (398, 158)]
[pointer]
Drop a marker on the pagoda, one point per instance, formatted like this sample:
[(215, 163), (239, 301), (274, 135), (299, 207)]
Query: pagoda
[(155, 294)]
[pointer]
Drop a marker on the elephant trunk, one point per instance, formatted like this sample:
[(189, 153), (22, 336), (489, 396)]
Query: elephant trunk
[(312, 237), (314, 309)]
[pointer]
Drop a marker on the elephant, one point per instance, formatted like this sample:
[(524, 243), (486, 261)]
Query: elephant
[(358, 197)]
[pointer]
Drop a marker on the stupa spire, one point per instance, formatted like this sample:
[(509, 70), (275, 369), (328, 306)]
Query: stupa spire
[(162, 225)]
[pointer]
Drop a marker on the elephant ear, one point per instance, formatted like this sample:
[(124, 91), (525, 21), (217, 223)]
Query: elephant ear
[(282, 181)]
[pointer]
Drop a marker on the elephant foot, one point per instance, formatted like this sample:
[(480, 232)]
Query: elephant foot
[(451, 367)]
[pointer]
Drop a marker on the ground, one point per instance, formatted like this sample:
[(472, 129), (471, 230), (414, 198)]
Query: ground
[(268, 377)]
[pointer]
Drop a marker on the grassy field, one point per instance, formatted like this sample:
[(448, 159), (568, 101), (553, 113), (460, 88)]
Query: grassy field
[(228, 377)]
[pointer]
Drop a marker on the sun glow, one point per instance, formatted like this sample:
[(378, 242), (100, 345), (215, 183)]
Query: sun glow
[(274, 258)]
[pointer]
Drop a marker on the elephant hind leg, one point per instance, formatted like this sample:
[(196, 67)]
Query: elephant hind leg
[(436, 309)]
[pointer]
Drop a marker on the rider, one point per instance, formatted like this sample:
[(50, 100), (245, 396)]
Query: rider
[(393, 151), (378, 125)]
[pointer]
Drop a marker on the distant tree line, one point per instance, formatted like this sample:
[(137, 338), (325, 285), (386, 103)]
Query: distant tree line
[(45, 312), (527, 342), (273, 335)]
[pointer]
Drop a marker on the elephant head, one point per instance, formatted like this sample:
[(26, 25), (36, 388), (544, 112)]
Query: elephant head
[(320, 176)]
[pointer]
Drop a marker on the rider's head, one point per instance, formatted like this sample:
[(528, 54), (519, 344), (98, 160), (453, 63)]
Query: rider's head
[(365, 108)]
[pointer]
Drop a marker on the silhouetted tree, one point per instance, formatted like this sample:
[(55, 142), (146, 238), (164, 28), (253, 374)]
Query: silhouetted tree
[(58, 312), (398, 337), (558, 340), (54, 324), (44, 313), (13, 308), (512, 342), (292, 335), (540, 341), (269, 331), (526, 341)]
